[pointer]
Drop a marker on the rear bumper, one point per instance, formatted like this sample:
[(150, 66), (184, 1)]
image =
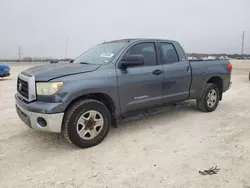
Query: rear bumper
[(4, 75)]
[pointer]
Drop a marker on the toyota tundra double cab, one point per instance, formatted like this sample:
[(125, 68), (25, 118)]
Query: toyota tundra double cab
[(113, 81)]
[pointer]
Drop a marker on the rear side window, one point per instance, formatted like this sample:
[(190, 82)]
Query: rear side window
[(145, 49), (181, 53), (169, 54)]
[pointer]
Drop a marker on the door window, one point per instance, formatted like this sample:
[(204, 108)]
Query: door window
[(145, 49), (169, 54)]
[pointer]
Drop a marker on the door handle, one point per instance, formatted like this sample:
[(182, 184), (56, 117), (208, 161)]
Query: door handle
[(157, 72)]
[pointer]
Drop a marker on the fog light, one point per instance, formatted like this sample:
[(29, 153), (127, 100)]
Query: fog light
[(41, 122)]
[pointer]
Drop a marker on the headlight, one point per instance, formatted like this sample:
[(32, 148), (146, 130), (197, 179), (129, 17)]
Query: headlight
[(48, 88)]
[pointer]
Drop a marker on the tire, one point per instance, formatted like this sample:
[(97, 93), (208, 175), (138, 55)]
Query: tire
[(203, 103), (79, 112)]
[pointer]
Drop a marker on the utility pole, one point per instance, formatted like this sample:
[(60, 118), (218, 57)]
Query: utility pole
[(242, 44), (66, 48)]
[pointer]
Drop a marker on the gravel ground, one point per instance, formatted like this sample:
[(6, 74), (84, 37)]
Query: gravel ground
[(163, 150)]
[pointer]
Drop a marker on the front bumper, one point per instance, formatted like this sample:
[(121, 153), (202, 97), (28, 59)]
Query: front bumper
[(39, 121)]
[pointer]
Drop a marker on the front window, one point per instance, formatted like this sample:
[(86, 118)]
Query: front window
[(100, 54), (146, 49)]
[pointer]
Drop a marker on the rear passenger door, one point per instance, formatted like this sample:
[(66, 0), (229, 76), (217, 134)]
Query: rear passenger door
[(177, 73), (140, 87)]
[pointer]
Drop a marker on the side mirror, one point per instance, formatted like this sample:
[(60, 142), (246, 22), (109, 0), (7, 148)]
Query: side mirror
[(71, 61), (131, 60)]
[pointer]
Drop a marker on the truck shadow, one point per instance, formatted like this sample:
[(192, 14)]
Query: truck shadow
[(48, 146), (156, 119)]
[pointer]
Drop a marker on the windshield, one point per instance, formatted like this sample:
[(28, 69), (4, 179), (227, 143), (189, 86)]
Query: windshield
[(100, 54)]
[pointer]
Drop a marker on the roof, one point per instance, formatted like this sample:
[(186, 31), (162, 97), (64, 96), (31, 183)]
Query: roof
[(138, 39)]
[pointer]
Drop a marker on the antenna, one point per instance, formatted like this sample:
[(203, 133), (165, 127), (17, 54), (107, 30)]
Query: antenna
[(66, 48), (242, 44)]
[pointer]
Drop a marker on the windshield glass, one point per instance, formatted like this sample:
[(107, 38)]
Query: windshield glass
[(100, 54)]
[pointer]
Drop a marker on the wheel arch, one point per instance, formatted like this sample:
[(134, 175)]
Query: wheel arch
[(218, 82), (101, 97)]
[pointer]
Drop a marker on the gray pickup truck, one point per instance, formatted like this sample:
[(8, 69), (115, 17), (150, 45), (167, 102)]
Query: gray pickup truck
[(113, 81)]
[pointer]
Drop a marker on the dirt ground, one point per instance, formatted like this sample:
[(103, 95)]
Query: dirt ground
[(163, 150)]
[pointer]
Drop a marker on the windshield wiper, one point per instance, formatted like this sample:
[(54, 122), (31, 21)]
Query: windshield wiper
[(86, 63)]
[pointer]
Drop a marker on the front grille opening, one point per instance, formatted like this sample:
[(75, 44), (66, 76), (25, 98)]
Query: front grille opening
[(23, 87)]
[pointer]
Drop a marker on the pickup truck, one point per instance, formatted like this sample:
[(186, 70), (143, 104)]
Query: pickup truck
[(113, 81), (4, 71)]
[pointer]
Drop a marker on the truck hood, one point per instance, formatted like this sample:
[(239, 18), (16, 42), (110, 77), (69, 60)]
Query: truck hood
[(52, 71)]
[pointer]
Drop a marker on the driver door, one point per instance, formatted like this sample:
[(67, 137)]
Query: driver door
[(141, 87)]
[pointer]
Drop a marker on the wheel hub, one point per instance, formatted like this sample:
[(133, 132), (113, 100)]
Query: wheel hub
[(90, 124), (212, 98)]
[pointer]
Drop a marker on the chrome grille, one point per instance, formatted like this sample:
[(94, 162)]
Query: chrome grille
[(26, 86), (23, 87)]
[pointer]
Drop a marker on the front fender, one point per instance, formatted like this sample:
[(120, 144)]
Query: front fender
[(76, 86)]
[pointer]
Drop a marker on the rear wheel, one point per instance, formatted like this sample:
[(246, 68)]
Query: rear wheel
[(86, 123), (210, 98)]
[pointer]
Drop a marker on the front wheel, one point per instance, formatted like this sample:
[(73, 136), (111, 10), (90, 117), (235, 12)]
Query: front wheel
[(210, 98), (86, 123)]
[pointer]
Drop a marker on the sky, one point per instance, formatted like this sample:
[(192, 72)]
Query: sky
[(41, 27)]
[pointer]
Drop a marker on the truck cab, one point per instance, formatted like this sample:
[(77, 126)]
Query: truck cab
[(164, 77)]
